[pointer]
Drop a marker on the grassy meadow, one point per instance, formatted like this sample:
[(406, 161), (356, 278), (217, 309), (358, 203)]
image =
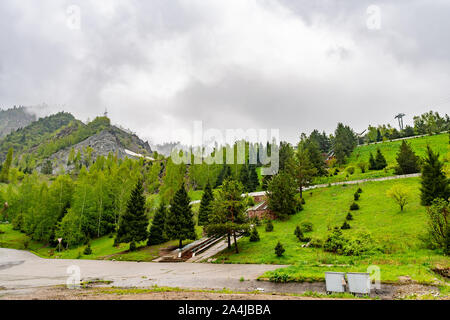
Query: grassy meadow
[(439, 143), (396, 234)]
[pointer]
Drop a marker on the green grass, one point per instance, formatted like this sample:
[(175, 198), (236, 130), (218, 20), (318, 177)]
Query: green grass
[(102, 248), (397, 233), (439, 143)]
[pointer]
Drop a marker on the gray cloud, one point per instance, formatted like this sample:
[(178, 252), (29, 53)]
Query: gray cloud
[(293, 65)]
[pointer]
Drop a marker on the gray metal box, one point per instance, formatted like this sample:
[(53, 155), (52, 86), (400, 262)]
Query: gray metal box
[(335, 281), (358, 282)]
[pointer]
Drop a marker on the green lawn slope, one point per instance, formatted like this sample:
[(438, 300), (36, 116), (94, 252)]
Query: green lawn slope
[(397, 233)]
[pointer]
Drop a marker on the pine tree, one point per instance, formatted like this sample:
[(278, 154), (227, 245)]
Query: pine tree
[(224, 174), (254, 235), (180, 219), (380, 160), (279, 250), (407, 160), (372, 163), (281, 195), (434, 182), (253, 178), (4, 173), (303, 170), (228, 217), (133, 226), (157, 233), (244, 177), (205, 206)]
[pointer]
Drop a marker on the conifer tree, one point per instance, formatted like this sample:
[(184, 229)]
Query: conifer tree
[(303, 169), (253, 178), (244, 177), (372, 163), (228, 217), (4, 173), (180, 219), (407, 160), (133, 226), (281, 195), (157, 233), (434, 182), (205, 206), (380, 160)]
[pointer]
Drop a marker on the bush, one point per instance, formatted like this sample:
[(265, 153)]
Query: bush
[(254, 235), (303, 201), (306, 226), (279, 250), (87, 251), (279, 277), (438, 229), (349, 217), (298, 233), (335, 242), (354, 206), (356, 196), (362, 166), (345, 226), (269, 226), (359, 190), (316, 243), (133, 246), (350, 170), (362, 243)]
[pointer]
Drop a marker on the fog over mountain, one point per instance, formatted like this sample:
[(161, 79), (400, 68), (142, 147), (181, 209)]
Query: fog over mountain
[(157, 66)]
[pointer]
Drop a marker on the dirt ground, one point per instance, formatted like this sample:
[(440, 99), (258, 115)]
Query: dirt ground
[(61, 293)]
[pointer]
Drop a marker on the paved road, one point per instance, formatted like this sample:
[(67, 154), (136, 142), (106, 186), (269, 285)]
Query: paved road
[(24, 270)]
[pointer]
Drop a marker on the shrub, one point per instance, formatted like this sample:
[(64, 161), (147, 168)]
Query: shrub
[(269, 226), (438, 230), (345, 226), (356, 196), (359, 190), (298, 233), (254, 235), (279, 277), (307, 226), (335, 242), (349, 217), (133, 246), (316, 243), (279, 250), (87, 251), (303, 201), (362, 166), (350, 170), (354, 206), (360, 244)]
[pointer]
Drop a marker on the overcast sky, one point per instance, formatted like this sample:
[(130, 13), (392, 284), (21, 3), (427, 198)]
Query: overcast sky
[(158, 65)]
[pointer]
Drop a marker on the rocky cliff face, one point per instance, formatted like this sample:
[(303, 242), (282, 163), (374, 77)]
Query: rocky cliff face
[(13, 119), (111, 140)]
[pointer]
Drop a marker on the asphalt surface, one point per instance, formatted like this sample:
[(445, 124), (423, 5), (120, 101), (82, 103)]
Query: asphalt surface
[(22, 271)]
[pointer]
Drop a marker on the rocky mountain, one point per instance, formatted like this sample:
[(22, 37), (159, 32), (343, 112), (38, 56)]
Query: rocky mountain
[(13, 119), (59, 136), (110, 140)]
